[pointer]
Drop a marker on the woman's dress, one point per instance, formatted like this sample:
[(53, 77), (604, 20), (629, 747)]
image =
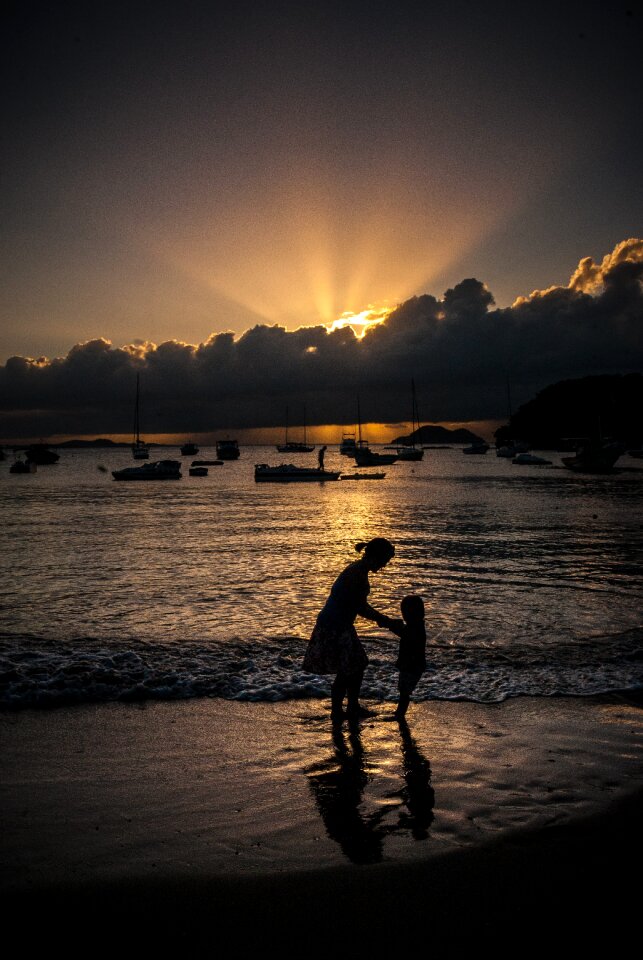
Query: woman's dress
[(334, 645)]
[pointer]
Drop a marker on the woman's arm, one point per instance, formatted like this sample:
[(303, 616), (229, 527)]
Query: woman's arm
[(370, 613)]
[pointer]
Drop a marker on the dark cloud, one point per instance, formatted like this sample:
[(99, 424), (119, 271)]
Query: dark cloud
[(459, 349)]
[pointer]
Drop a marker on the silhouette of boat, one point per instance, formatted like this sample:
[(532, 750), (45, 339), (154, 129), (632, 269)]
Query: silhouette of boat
[(592, 457), (295, 446), (511, 449), (289, 473), (41, 454), (636, 453), (159, 470), (207, 463), (228, 450), (348, 445), (23, 466), (478, 446), (140, 450), (198, 471), (408, 451), (362, 476), (363, 455), (189, 449), (530, 458)]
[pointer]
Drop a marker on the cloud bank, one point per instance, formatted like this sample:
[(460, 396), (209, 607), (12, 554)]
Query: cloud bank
[(460, 349)]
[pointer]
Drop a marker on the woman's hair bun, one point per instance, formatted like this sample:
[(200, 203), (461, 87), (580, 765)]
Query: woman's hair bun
[(360, 546)]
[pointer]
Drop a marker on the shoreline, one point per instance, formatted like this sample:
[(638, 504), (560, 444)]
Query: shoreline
[(210, 815)]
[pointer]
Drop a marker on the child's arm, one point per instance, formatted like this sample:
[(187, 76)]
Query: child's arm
[(395, 626)]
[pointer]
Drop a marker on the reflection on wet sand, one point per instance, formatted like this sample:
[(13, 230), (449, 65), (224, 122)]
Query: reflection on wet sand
[(338, 783), (417, 794)]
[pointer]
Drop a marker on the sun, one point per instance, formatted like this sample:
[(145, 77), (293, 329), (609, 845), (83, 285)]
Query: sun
[(373, 315)]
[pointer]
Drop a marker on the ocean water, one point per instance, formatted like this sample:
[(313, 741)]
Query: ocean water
[(210, 586)]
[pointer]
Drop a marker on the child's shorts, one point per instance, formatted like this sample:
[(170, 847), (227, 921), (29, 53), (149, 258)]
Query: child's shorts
[(408, 681)]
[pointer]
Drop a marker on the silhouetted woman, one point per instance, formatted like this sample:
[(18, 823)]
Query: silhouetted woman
[(334, 646)]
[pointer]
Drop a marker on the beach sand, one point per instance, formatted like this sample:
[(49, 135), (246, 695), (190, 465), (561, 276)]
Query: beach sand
[(209, 821)]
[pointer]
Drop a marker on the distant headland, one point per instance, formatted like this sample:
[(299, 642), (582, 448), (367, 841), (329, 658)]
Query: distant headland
[(433, 434)]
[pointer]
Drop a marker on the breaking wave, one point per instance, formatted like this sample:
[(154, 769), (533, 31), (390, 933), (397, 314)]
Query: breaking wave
[(40, 673)]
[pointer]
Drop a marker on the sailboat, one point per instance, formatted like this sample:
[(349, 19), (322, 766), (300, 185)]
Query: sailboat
[(140, 450), (409, 451), (364, 456), (294, 446)]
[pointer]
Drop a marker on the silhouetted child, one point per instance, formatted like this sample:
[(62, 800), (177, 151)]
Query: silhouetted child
[(411, 660)]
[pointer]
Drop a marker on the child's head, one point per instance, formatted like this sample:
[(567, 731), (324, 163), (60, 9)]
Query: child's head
[(412, 608)]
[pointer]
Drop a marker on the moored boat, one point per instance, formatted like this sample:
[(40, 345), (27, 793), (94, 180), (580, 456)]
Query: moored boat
[(409, 451), (365, 457), (207, 463), (159, 470), (288, 473), (228, 449), (23, 466), (478, 446), (140, 450), (530, 458), (592, 457), (348, 445), (189, 449), (362, 476), (198, 471), (41, 454), (295, 446)]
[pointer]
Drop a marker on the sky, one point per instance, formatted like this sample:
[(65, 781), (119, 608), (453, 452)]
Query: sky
[(174, 174)]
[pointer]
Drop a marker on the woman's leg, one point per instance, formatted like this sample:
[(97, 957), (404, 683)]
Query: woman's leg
[(353, 687), (337, 693)]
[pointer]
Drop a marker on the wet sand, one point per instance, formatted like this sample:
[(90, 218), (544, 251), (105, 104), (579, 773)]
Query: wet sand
[(206, 820)]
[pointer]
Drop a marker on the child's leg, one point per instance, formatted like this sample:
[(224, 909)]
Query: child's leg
[(406, 685)]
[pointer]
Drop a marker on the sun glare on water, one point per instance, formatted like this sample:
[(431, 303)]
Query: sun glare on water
[(362, 321)]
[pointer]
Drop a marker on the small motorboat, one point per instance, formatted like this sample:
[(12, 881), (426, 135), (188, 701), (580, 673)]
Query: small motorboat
[(531, 458), (594, 457), (410, 453), (159, 470), (511, 449), (294, 446), (479, 446), (189, 449), (207, 463), (362, 476), (41, 454), (23, 466), (365, 457), (288, 473), (198, 471), (348, 445), (228, 449)]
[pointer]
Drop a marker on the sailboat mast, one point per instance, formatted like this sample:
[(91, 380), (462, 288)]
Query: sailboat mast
[(304, 424), (413, 412), (359, 423), (136, 423)]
